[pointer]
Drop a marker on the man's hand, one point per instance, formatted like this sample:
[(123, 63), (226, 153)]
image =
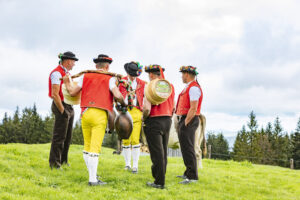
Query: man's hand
[(146, 109), (118, 96), (121, 108), (192, 112), (186, 122), (66, 79), (56, 98), (144, 117)]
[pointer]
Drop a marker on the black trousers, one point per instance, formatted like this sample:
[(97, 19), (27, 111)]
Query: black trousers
[(186, 135), (62, 135), (157, 134)]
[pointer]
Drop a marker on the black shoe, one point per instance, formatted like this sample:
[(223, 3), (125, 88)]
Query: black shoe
[(66, 164), (134, 170), (188, 181), (55, 167), (117, 152), (183, 176), (155, 185), (128, 168), (97, 183)]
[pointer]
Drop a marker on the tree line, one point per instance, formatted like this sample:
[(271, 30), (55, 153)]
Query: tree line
[(269, 145), (30, 128)]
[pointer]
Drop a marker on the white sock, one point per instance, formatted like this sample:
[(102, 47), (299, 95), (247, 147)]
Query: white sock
[(86, 158), (93, 166), (127, 155), (135, 155)]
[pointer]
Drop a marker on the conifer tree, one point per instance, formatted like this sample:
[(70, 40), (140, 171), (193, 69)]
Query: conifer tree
[(295, 151)]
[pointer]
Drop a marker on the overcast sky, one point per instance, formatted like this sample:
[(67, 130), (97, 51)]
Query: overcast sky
[(247, 52)]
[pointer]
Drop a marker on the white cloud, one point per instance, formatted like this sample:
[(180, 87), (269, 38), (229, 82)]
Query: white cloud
[(246, 52)]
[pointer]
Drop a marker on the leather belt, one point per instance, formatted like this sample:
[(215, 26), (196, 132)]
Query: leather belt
[(180, 117)]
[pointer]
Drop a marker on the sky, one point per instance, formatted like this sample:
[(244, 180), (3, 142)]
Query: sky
[(246, 52)]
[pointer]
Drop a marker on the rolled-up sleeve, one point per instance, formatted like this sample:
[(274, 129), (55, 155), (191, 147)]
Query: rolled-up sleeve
[(80, 82), (55, 76), (194, 93), (112, 83)]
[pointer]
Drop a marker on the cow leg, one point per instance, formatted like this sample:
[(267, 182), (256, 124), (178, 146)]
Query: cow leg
[(197, 146)]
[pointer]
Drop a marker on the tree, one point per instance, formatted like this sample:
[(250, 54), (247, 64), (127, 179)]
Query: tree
[(269, 131), (77, 137), (262, 149), (277, 128), (280, 144), (219, 146), (241, 147), (252, 125), (7, 130), (26, 128), (295, 149), (110, 140), (16, 123)]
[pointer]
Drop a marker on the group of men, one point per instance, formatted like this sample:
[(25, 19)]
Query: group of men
[(98, 92)]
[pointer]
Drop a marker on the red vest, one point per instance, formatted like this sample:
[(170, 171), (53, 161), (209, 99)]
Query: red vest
[(139, 92), (183, 103), (63, 73), (164, 109), (95, 92)]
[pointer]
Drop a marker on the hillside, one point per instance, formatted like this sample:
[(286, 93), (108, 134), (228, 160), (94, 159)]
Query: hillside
[(24, 174)]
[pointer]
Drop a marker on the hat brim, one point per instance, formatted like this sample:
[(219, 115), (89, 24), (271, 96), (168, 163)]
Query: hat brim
[(70, 58), (130, 72), (154, 70), (97, 60), (186, 71)]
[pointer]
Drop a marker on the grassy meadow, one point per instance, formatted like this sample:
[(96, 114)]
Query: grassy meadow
[(25, 175)]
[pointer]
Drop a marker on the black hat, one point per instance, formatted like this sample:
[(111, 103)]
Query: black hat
[(153, 68), (102, 58), (133, 68), (67, 55)]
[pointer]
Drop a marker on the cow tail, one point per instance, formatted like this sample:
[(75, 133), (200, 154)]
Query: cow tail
[(203, 122)]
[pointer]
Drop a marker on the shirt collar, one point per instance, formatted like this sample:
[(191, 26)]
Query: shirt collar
[(134, 80), (189, 83), (64, 69)]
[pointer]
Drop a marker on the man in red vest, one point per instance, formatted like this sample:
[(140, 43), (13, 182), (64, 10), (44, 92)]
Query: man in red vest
[(158, 119), (188, 109), (97, 93), (133, 92), (64, 113)]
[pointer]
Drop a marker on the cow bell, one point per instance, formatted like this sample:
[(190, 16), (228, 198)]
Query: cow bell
[(111, 120), (123, 125)]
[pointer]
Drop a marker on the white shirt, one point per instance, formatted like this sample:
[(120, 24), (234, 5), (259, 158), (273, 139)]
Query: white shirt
[(112, 82), (134, 86), (194, 92), (55, 76)]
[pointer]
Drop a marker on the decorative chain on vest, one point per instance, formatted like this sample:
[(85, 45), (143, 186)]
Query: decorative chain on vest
[(130, 92)]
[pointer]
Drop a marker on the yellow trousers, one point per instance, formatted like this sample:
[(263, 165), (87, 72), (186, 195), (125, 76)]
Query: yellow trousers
[(134, 138), (93, 123)]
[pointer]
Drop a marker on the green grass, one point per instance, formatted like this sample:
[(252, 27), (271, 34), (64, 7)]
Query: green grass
[(24, 174)]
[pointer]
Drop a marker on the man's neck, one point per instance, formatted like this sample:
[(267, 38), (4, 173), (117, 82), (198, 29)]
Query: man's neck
[(189, 81), (132, 78), (65, 68), (102, 69)]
